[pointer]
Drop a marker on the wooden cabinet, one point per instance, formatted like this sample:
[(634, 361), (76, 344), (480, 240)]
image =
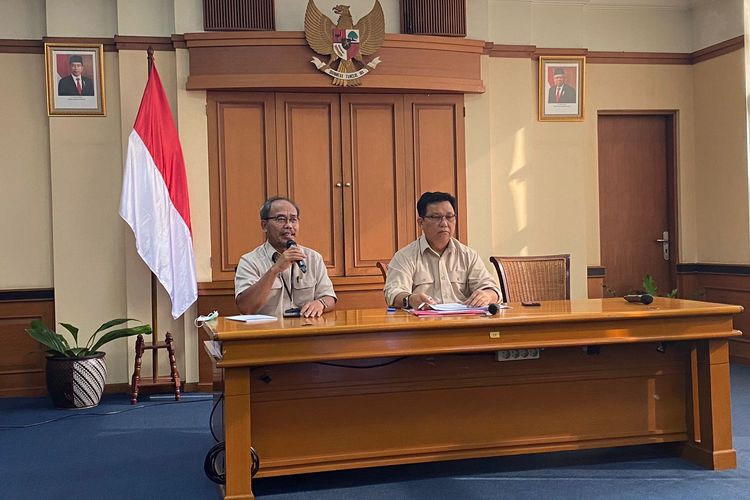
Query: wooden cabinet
[(354, 163)]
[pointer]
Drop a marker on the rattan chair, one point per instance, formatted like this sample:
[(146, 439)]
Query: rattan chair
[(534, 278), (383, 266)]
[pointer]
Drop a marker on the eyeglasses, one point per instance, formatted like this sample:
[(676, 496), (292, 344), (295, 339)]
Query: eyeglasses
[(282, 220), (437, 219)]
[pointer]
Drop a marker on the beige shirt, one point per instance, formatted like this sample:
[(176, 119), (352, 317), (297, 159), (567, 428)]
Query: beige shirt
[(303, 287), (451, 277)]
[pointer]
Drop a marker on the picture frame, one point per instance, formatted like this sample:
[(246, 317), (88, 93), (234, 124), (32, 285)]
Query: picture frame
[(562, 86), (75, 79)]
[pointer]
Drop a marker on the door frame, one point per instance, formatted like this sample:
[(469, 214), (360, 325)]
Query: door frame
[(672, 148)]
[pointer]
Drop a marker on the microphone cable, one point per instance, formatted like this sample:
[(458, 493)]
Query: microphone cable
[(213, 465), (211, 417)]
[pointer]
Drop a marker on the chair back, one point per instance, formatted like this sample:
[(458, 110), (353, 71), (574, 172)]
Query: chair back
[(383, 266), (533, 278)]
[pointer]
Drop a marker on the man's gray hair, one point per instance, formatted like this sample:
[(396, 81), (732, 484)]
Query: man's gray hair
[(265, 209)]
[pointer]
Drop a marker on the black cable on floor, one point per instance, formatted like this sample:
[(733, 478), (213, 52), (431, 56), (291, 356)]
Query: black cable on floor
[(98, 414), (211, 417), (212, 463)]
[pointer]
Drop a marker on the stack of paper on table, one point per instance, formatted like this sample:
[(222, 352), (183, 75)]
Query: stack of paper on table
[(252, 318), (452, 308)]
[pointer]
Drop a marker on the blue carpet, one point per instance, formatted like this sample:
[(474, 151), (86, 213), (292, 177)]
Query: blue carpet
[(157, 451)]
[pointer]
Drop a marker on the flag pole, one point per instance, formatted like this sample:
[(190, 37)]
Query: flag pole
[(155, 156), (154, 304)]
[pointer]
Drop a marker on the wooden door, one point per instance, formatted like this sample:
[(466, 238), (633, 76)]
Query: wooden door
[(309, 169), (374, 183), (242, 160), (435, 151), (636, 200)]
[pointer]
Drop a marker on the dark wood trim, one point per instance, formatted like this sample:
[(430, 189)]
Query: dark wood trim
[(609, 57), (509, 51), (554, 51), (639, 112), (31, 294), (718, 49), (8, 46), (163, 43), (178, 41), (603, 57), (22, 359), (595, 272), (124, 388), (108, 43), (700, 268), (182, 41), (120, 388), (725, 283)]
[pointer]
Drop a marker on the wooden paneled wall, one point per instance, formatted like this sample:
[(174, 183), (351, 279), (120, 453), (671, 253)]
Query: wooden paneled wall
[(595, 282), (22, 361), (727, 284), (355, 164)]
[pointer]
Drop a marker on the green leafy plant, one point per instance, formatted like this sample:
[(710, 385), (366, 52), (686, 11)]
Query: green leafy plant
[(649, 286), (59, 346)]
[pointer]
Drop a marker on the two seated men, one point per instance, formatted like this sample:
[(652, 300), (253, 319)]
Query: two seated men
[(436, 268)]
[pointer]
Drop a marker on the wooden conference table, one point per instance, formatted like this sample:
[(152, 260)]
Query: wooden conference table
[(362, 388)]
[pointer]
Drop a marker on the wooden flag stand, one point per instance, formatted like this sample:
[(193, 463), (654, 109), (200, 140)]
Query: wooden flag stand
[(155, 383)]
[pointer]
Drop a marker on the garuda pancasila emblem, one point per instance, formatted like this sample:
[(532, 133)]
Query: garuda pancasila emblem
[(345, 42)]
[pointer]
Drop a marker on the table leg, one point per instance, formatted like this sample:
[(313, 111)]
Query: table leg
[(711, 446), (237, 433)]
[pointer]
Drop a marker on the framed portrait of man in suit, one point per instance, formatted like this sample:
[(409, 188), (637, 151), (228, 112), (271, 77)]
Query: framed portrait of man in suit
[(75, 79), (561, 88)]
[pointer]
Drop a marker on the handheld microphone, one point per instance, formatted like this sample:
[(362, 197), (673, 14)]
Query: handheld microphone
[(643, 298), (300, 263)]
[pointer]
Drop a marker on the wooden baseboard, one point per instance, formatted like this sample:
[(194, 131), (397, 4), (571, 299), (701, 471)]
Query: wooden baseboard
[(124, 388), (22, 359), (724, 283), (739, 352)]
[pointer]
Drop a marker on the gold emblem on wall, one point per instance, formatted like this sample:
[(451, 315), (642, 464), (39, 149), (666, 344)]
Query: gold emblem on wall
[(345, 42)]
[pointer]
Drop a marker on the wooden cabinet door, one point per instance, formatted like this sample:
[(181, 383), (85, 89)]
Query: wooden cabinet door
[(435, 149), (308, 139), (374, 184), (242, 162)]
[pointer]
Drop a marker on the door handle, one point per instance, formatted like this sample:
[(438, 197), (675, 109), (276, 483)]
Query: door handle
[(338, 184), (348, 184), (664, 240)]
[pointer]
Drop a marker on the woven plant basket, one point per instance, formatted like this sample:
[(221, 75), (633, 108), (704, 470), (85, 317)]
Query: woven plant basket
[(76, 382)]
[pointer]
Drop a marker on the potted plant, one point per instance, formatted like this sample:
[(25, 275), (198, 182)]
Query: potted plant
[(76, 375)]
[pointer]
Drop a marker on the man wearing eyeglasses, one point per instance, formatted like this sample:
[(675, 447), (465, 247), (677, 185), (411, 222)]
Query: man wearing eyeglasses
[(270, 279), (437, 268)]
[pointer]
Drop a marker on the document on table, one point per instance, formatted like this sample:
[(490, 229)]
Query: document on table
[(252, 318), (454, 307), (450, 308)]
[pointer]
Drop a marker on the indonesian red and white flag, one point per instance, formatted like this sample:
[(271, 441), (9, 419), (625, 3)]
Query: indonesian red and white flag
[(154, 199)]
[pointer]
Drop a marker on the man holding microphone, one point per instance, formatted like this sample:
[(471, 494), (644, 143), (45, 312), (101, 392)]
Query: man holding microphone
[(280, 275)]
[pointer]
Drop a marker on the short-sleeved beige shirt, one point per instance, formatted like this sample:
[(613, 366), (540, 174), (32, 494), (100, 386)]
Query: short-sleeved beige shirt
[(303, 287), (451, 277)]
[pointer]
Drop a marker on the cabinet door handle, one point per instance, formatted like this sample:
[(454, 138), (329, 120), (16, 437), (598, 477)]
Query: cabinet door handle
[(348, 184), (338, 184)]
